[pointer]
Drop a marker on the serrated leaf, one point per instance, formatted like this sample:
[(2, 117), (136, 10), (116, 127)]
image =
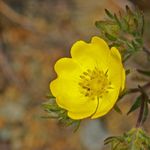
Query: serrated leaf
[(117, 109), (123, 30), (109, 14), (135, 139), (104, 24), (49, 96), (136, 105), (144, 72), (110, 37), (108, 27), (55, 112), (134, 45), (146, 111), (117, 20), (127, 57), (77, 125), (98, 24), (128, 10), (50, 107), (129, 44), (109, 139), (139, 40)]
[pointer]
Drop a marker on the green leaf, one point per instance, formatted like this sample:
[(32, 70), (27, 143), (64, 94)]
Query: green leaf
[(123, 30), (49, 96), (127, 71), (103, 25), (127, 57), (109, 139), (146, 111), (77, 125), (129, 46), (139, 40), (117, 20), (144, 72), (110, 37), (136, 105), (50, 107), (108, 27), (128, 10), (109, 14), (55, 112), (117, 109), (135, 139), (97, 24), (135, 45)]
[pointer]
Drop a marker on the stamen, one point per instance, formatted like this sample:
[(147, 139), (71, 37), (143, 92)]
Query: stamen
[(94, 83), (82, 77), (85, 73)]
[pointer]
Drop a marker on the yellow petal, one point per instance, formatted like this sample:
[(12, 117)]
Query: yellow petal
[(115, 69), (123, 80), (119, 66), (66, 90), (83, 111), (104, 46), (67, 67), (69, 97), (116, 53), (106, 103), (91, 55)]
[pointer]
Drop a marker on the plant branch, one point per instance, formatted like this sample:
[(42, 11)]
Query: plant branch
[(144, 97), (135, 90), (140, 116)]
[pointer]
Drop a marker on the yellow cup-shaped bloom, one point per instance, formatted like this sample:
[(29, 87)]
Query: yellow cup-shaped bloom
[(88, 84)]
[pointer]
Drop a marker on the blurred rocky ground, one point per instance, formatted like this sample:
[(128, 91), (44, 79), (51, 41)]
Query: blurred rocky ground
[(33, 35)]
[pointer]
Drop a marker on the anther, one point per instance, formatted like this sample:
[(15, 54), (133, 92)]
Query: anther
[(86, 94), (89, 70), (82, 77), (85, 73)]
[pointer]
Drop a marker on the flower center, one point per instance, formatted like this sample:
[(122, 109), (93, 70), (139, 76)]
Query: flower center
[(94, 83)]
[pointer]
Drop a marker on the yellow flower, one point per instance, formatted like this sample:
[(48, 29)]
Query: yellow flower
[(88, 84)]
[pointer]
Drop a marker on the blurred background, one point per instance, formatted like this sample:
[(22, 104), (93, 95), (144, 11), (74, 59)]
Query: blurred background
[(33, 35)]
